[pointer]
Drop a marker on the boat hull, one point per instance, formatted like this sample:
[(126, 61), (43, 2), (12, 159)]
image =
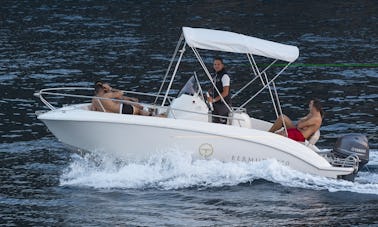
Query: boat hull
[(137, 138)]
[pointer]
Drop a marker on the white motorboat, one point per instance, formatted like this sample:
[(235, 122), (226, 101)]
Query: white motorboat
[(188, 125)]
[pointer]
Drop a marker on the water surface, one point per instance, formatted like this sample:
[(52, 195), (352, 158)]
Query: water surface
[(129, 44)]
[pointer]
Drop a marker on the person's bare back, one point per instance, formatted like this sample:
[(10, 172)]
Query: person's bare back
[(305, 127), (310, 124)]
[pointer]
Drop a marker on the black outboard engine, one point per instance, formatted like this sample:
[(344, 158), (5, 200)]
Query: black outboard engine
[(353, 144)]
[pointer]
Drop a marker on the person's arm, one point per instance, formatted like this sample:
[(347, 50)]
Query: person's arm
[(306, 123), (112, 93), (119, 95), (130, 99), (226, 91), (305, 118), (116, 95)]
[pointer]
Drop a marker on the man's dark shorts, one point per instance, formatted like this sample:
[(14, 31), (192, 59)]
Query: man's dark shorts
[(127, 109)]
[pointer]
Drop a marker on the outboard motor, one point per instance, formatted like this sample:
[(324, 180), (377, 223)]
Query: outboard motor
[(353, 144)]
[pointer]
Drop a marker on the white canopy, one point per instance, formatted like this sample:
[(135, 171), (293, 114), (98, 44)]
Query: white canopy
[(237, 43)]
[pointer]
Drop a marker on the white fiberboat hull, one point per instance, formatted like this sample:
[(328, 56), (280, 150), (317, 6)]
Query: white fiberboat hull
[(136, 138)]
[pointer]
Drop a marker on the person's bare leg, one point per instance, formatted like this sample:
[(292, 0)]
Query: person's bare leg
[(282, 133), (144, 113), (276, 125), (279, 123), (139, 111)]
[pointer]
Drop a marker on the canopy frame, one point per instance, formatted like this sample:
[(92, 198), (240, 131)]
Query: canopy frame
[(256, 72)]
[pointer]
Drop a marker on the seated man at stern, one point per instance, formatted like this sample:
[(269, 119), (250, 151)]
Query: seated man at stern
[(103, 90), (305, 127)]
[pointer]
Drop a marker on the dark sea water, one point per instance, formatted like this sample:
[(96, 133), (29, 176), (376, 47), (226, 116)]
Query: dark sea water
[(129, 44)]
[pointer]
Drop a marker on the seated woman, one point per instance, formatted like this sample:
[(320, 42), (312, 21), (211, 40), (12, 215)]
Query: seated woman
[(104, 90), (305, 127)]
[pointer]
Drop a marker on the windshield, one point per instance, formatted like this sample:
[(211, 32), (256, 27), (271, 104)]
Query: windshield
[(190, 88)]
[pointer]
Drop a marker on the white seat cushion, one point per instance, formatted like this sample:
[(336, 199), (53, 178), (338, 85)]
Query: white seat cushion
[(314, 138)]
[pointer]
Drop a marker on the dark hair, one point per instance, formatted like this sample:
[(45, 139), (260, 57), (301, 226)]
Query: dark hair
[(318, 106), (219, 59), (98, 86)]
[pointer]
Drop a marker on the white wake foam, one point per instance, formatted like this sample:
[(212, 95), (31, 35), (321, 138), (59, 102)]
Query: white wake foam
[(175, 170)]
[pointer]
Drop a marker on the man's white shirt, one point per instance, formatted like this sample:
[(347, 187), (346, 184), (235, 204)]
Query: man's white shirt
[(225, 80)]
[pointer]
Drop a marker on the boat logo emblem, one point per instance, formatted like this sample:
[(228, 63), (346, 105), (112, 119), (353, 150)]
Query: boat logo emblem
[(206, 150)]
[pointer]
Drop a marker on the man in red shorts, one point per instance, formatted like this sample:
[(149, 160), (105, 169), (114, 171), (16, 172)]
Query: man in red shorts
[(305, 127)]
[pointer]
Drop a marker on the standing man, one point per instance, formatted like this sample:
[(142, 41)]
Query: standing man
[(222, 82)]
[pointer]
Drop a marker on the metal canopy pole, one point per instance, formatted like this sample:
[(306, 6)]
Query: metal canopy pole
[(170, 65), (250, 62), (209, 76), (256, 76), (174, 74), (255, 69), (279, 107), (244, 87), (266, 79), (271, 81)]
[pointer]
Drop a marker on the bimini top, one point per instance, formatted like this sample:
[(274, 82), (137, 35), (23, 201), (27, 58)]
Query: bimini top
[(237, 43)]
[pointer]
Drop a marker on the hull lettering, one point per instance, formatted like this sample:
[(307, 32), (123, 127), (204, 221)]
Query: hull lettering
[(238, 158)]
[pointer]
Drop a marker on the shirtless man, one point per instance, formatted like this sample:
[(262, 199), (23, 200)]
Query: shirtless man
[(305, 127), (104, 90)]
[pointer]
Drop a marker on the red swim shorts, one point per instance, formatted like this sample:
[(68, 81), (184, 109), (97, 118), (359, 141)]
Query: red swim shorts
[(295, 134)]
